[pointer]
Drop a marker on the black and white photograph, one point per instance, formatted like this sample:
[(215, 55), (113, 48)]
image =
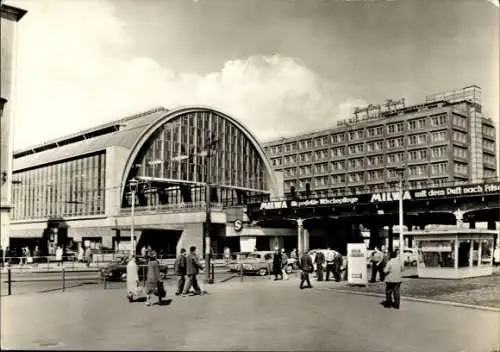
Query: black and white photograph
[(250, 175)]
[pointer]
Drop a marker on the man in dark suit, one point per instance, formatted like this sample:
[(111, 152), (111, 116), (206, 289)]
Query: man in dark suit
[(193, 267), (306, 267), (180, 271)]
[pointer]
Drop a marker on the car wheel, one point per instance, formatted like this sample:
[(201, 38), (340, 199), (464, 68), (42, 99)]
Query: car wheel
[(263, 272), (288, 269)]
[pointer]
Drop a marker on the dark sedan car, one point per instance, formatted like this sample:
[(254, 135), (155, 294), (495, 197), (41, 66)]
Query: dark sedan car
[(117, 270)]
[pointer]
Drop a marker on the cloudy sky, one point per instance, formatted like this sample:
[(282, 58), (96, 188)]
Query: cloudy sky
[(279, 66)]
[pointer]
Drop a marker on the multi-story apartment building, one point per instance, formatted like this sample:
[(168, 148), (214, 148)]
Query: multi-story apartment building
[(444, 139)]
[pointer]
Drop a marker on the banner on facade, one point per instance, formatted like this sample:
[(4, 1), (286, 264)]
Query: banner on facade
[(357, 271)]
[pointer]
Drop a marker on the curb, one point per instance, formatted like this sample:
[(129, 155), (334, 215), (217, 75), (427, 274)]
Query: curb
[(416, 299)]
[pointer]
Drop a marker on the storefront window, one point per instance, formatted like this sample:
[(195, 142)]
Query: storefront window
[(437, 253), (486, 251)]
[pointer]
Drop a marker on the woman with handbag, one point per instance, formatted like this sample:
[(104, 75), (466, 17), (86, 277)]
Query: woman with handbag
[(154, 283)]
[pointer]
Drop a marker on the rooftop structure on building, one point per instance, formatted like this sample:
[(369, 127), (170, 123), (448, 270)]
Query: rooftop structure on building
[(445, 139)]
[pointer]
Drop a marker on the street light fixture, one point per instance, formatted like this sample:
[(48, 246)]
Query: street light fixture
[(133, 187), (401, 172)]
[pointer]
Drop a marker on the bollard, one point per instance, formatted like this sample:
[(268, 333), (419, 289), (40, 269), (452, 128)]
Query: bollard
[(105, 282), (241, 272), (63, 279), (9, 281)]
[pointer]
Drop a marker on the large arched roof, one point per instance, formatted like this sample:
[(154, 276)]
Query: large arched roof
[(130, 133), (172, 115)]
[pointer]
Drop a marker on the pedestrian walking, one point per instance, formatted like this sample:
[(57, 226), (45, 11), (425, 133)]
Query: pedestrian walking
[(59, 255), (180, 271), (393, 281), (36, 256), (132, 279), (154, 283), (319, 260), (193, 267), (306, 266), (227, 255), (376, 261), (277, 265), (337, 265), (284, 264), (143, 251), (330, 263)]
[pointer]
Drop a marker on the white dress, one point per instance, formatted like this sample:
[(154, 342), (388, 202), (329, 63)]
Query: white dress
[(132, 276)]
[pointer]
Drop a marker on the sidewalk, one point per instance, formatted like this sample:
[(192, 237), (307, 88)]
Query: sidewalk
[(252, 315)]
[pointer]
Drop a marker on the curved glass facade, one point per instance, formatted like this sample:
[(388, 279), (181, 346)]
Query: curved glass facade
[(173, 164)]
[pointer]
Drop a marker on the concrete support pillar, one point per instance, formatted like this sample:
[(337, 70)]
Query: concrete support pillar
[(300, 240), (305, 238), (390, 235), (472, 225)]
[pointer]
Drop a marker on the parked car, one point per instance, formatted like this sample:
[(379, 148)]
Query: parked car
[(410, 256), (117, 270), (259, 262)]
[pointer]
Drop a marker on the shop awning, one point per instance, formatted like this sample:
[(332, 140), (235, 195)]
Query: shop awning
[(26, 233)]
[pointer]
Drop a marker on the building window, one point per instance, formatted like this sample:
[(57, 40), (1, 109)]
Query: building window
[(459, 152), (459, 121), (461, 168), (439, 152), (395, 143), (321, 181), (356, 163), (489, 146), (439, 136), (304, 170), (417, 139), (338, 152), (321, 168), (417, 170), (321, 154), (416, 124), (276, 162), (439, 120), (416, 155), (355, 177), (305, 157), (439, 169), (375, 175), (290, 172), (488, 131), (489, 159), (459, 137), (337, 179), (338, 165), (395, 128), (305, 144), (395, 158)]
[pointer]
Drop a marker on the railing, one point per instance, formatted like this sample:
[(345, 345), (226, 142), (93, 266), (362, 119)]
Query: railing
[(33, 277), (392, 187), (174, 208)]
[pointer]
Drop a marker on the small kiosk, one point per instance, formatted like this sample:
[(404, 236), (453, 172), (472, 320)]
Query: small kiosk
[(454, 253)]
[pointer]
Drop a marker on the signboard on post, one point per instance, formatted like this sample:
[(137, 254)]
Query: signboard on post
[(357, 271)]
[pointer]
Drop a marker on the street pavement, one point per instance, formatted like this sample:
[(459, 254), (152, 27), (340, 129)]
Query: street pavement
[(249, 315)]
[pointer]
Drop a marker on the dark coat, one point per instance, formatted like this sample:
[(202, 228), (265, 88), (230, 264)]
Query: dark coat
[(180, 265), (153, 276), (277, 259), (193, 264), (306, 263), (320, 258)]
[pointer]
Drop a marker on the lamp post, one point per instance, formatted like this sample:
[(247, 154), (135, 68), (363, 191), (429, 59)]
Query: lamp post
[(133, 186), (210, 147), (400, 171)]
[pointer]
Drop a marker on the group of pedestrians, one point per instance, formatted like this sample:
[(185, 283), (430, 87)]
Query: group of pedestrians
[(154, 281), (328, 263), (280, 263), (188, 265)]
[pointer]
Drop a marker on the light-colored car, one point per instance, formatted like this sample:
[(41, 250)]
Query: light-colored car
[(410, 256), (252, 262)]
